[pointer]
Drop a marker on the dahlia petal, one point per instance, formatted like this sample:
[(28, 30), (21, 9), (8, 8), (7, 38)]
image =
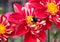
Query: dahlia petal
[(16, 18), (45, 1), (57, 21), (58, 13), (48, 25), (0, 37), (29, 37), (21, 30), (5, 36), (42, 36), (8, 14), (39, 11), (3, 19), (28, 9), (17, 7), (41, 14), (13, 34), (4, 39), (7, 24), (38, 6), (57, 1), (10, 31)]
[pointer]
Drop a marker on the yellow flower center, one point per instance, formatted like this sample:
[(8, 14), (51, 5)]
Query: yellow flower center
[(52, 8), (2, 29), (29, 19)]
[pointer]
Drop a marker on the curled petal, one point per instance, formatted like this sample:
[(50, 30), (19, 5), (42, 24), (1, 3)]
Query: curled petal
[(3, 19), (57, 21), (45, 1), (17, 7)]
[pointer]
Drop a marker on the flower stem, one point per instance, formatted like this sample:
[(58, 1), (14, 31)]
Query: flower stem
[(48, 35), (10, 40), (59, 34)]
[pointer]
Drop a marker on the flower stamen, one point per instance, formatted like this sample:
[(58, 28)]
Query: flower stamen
[(52, 8), (29, 19), (2, 29)]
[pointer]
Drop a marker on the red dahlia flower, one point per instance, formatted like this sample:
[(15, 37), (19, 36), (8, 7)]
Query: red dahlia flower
[(6, 28), (49, 9), (29, 24)]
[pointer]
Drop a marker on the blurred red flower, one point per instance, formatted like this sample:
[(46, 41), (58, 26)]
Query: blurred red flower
[(6, 28), (50, 10)]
